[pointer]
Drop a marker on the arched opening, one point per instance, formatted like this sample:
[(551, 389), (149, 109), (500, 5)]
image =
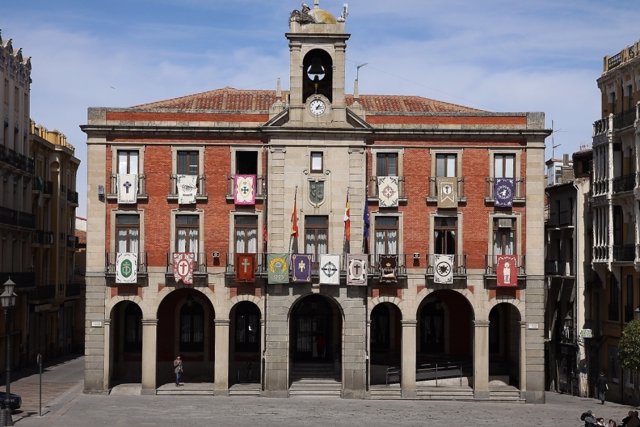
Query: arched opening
[(504, 345), (385, 338), (126, 343), (186, 328), (315, 338), (244, 344), (317, 74), (444, 339)]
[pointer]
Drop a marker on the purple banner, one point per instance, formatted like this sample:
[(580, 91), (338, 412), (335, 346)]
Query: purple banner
[(301, 267), (503, 192)]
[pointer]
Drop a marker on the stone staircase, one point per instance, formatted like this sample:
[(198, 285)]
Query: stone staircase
[(444, 393), (250, 389), (314, 379), (186, 389), (385, 392), (505, 394)]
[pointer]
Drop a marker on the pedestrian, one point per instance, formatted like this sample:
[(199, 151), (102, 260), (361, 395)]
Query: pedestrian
[(601, 387), (611, 423), (177, 368), (633, 420), (589, 419)]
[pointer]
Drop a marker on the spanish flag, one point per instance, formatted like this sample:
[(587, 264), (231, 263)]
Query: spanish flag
[(294, 217)]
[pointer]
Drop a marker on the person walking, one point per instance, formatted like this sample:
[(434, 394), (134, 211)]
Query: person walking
[(601, 387), (177, 369)]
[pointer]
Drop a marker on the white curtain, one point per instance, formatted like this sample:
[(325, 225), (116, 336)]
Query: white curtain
[(127, 236), (128, 160), (247, 240), (188, 239)]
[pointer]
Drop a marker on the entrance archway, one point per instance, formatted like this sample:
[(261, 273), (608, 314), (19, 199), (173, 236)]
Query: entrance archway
[(504, 344), (315, 338), (244, 343), (444, 337), (126, 344), (385, 343), (186, 328)]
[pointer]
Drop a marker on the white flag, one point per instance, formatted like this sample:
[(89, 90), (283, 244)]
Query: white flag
[(127, 267), (127, 188), (443, 269), (330, 269), (187, 189)]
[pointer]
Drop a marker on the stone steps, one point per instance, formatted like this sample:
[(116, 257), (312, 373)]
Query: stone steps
[(445, 393), (186, 389), (316, 387), (385, 392), (252, 389)]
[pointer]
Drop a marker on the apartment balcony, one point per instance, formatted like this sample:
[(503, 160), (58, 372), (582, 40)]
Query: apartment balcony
[(201, 190), (72, 197), (111, 264), (261, 187), (16, 160), (434, 194), (559, 267), (260, 265), (44, 238), (199, 271), (519, 191), (621, 184), (459, 268), (491, 270), (601, 253), (112, 193), (373, 190), (17, 218), (625, 119), (624, 253)]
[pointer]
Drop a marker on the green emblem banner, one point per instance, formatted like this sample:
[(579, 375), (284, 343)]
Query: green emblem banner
[(277, 268)]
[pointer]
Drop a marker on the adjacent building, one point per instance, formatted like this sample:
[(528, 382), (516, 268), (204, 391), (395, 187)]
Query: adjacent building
[(616, 212), (375, 243)]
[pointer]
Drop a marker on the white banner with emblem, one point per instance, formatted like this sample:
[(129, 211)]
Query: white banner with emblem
[(443, 269), (127, 188), (127, 267), (330, 269)]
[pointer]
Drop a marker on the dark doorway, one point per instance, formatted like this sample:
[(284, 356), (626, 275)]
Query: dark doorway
[(244, 345)]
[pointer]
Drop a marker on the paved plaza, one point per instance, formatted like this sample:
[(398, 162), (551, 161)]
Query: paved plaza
[(64, 404)]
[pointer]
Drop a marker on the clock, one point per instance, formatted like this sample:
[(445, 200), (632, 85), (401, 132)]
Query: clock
[(317, 107)]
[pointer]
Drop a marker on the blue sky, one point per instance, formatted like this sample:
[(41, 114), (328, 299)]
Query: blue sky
[(496, 55)]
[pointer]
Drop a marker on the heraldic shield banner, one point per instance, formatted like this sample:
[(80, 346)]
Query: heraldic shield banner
[(443, 269), (388, 268), (183, 267), (388, 191), (357, 270), (277, 269), (507, 271), (187, 186), (447, 192), (329, 269), (301, 268), (245, 190), (127, 267)]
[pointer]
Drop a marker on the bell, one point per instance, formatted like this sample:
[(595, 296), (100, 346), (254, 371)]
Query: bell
[(316, 69)]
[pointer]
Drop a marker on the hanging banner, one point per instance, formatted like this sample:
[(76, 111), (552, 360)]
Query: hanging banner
[(357, 270), (301, 268), (245, 267), (503, 191), (388, 268), (127, 267), (506, 270), (447, 192), (277, 269), (187, 189), (183, 267), (245, 189), (127, 188), (443, 269), (388, 191), (329, 269)]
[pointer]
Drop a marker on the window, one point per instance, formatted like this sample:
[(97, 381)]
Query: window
[(444, 235), (317, 162), (246, 162), (127, 233), (6, 91), (614, 300), (387, 164), (246, 234), (504, 165), (386, 237), (629, 97), (446, 165), (187, 163), (191, 327), (628, 307), (316, 235), (187, 233), (132, 328), (504, 236), (128, 162)]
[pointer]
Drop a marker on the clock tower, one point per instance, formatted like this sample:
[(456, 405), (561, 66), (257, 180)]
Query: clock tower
[(317, 43)]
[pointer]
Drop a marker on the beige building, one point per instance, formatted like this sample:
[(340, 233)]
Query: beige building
[(311, 241)]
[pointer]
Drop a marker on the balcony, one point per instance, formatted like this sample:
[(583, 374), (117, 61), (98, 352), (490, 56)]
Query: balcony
[(626, 119), (492, 278), (17, 218), (17, 160), (72, 197), (111, 262), (201, 192), (564, 218), (199, 268), (261, 187), (112, 194), (492, 262), (624, 253), (42, 237), (600, 253), (433, 195), (623, 183), (559, 267), (459, 266), (373, 192), (519, 191)]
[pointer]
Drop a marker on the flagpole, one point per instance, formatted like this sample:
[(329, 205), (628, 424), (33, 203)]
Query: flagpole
[(294, 218)]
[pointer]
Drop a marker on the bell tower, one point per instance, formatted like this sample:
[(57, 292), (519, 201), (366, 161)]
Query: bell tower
[(317, 44)]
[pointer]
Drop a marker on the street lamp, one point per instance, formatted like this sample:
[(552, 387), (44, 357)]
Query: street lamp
[(8, 301)]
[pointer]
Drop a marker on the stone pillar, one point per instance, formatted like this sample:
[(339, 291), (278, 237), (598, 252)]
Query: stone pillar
[(408, 368), (481, 359), (221, 368), (149, 353), (108, 342), (523, 359)]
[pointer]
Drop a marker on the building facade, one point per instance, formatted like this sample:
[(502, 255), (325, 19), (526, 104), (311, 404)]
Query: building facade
[(616, 238), (382, 244)]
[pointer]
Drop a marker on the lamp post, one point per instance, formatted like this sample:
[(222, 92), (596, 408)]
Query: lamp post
[(8, 301)]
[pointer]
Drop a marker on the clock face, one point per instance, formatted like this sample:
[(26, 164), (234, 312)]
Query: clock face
[(317, 107)]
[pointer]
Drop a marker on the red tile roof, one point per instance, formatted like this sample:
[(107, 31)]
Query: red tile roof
[(259, 101)]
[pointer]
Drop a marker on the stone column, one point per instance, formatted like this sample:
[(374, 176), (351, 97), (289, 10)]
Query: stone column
[(408, 380), (149, 356), (481, 359), (108, 342), (523, 359), (221, 368)]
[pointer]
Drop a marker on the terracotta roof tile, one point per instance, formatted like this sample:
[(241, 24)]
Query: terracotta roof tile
[(259, 101)]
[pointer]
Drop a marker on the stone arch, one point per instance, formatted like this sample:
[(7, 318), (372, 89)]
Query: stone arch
[(505, 341), (245, 341), (385, 340), (125, 340)]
